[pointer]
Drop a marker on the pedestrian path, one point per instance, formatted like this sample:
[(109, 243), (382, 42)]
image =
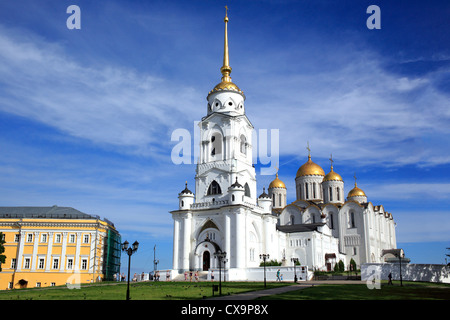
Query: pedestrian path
[(261, 293), (273, 291)]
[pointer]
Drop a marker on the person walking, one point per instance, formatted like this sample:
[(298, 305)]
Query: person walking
[(390, 278), (278, 275)]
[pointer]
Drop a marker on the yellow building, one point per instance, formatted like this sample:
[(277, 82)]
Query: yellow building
[(51, 246)]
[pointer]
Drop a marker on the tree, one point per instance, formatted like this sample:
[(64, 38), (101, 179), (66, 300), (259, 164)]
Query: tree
[(336, 267), (352, 265), (341, 266), (2, 249)]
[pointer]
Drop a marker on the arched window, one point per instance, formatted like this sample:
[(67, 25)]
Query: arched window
[(273, 200), (331, 194), (279, 203), (292, 220), (306, 191), (314, 190), (247, 190), (338, 194), (331, 221), (352, 220), (232, 197), (243, 144), (216, 144), (214, 188)]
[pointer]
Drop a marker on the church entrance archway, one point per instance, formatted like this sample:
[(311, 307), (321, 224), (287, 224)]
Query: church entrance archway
[(206, 260)]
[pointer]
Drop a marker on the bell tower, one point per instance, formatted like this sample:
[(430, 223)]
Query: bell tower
[(226, 140)]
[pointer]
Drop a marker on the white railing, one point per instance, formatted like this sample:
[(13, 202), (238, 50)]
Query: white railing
[(209, 204)]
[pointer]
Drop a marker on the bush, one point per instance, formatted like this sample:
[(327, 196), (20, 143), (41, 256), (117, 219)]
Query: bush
[(270, 263)]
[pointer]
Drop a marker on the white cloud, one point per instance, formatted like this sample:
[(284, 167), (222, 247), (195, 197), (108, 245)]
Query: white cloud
[(422, 226), (357, 110), (407, 84), (103, 104), (406, 191)]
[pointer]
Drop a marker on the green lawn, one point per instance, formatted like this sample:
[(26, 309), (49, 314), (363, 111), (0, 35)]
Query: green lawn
[(138, 291), (194, 291), (409, 291)]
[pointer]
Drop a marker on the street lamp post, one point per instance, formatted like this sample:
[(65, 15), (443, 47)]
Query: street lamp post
[(295, 260), (129, 251), (264, 257), (400, 260), (225, 269), (220, 256), (155, 263)]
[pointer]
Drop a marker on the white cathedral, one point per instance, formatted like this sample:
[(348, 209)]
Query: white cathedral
[(320, 228)]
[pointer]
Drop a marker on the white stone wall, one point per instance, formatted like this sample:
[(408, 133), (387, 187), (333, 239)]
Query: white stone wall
[(410, 272)]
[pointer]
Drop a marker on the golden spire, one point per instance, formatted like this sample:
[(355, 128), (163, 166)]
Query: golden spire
[(226, 69), (226, 83)]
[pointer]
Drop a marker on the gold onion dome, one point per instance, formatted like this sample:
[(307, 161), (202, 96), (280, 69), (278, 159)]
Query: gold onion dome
[(310, 169), (332, 176), (356, 192), (277, 183), (226, 83)]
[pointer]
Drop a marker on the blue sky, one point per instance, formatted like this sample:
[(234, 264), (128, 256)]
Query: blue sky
[(86, 116)]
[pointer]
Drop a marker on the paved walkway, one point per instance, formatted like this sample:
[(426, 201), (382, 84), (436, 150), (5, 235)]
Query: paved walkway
[(268, 292)]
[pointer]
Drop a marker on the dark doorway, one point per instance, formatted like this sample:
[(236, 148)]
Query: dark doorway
[(206, 260), (23, 283)]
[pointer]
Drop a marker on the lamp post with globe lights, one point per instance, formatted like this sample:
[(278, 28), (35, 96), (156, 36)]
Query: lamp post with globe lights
[(130, 251), (264, 257)]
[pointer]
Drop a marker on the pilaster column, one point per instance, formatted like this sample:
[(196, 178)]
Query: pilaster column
[(176, 239), (239, 245), (19, 256), (35, 249), (227, 235), (62, 260), (48, 261), (77, 252), (186, 240), (266, 236), (93, 238)]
